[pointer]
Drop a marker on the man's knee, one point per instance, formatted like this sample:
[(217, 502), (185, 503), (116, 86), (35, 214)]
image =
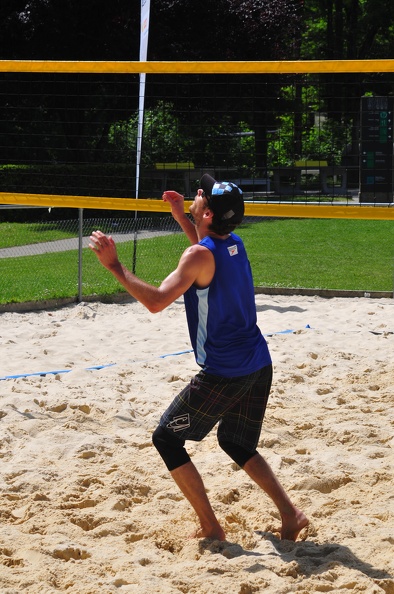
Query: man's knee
[(170, 448), (237, 453)]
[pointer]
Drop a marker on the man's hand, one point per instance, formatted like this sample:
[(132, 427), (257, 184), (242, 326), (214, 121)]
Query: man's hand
[(177, 203), (172, 196), (105, 249), (178, 212)]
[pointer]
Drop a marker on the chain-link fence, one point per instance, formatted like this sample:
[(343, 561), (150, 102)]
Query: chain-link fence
[(48, 261)]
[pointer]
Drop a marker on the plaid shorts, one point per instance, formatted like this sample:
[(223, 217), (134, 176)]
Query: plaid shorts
[(237, 404)]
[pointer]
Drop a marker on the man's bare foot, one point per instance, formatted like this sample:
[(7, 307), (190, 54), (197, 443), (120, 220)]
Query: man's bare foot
[(216, 533), (292, 525)]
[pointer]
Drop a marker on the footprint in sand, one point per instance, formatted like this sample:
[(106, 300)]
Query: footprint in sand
[(8, 559), (70, 551)]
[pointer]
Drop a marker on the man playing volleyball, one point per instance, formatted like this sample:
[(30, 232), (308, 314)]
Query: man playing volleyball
[(233, 386)]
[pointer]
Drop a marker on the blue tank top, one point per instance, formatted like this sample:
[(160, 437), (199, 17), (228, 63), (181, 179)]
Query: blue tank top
[(222, 317)]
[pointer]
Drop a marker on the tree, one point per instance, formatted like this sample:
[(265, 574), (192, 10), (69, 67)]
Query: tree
[(72, 30), (227, 30), (348, 30), (180, 29), (68, 115), (98, 30)]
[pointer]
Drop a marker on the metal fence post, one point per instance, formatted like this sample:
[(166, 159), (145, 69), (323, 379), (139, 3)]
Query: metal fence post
[(80, 235)]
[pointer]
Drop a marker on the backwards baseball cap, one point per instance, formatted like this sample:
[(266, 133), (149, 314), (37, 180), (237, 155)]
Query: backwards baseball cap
[(225, 199)]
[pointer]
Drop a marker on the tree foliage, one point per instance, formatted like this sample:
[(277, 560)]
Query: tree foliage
[(226, 29), (71, 30), (348, 29), (180, 29), (78, 116)]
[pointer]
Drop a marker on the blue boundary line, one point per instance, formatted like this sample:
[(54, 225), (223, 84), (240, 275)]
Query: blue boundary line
[(97, 367), (93, 368)]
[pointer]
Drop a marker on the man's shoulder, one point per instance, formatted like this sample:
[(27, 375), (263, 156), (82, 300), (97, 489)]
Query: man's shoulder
[(197, 251), (199, 262)]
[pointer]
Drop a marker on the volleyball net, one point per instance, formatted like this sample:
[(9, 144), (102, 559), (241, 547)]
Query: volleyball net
[(313, 132), (309, 140)]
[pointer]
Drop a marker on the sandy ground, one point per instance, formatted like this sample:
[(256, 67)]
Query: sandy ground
[(87, 505)]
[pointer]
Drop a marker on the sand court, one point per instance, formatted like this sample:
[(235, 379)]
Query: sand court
[(88, 506)]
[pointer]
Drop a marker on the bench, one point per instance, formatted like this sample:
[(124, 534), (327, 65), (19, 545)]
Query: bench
[(293, 180), (172, 175), (253, 184), (167, 176)]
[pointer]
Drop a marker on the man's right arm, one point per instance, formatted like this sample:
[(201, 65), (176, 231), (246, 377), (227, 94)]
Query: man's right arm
[(196, 265), (176, 202)]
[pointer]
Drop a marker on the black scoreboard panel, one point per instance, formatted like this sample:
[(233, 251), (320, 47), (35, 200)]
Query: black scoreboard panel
[(376, 149)]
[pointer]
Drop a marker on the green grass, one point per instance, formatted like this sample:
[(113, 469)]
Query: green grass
[(322, 253), (35, 278), (14, 234), (309, 253), (55, 275)]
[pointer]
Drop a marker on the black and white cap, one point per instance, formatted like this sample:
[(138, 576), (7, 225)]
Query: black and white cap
[(225, 199)]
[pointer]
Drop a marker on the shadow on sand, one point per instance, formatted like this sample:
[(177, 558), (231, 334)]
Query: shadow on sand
[(307, 558)]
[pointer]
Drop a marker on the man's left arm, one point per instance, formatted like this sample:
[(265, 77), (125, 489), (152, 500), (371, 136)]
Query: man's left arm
[(176, 202)]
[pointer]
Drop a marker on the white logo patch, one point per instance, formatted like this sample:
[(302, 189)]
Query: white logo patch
[(179, 423), (233, 250)]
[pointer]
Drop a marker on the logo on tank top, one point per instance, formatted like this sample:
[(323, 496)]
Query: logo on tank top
[(233, 250)]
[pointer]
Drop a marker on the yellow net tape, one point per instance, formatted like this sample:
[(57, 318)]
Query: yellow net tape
[(280, 209), (274, 67)]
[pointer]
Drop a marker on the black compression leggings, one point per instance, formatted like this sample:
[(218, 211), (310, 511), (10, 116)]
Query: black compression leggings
[(172, 450)]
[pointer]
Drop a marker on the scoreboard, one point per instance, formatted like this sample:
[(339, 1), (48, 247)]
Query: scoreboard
[(376, 149)]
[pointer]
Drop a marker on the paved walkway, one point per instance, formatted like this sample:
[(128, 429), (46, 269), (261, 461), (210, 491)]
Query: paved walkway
[(63, 245)]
